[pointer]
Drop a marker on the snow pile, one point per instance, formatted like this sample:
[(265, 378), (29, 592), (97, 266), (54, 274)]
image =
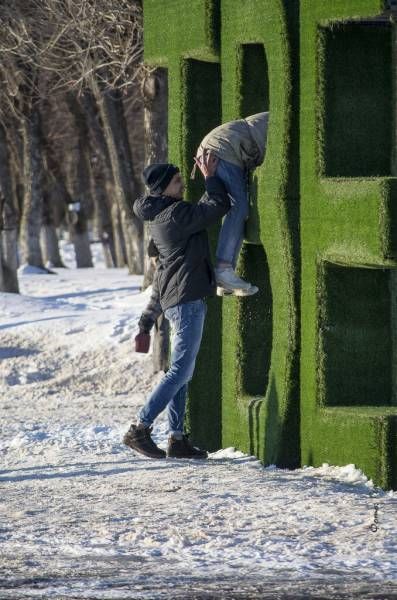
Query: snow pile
[(347, 474), (31, 270), (81, 516)]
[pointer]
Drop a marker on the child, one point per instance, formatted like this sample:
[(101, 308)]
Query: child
[(240, 146)]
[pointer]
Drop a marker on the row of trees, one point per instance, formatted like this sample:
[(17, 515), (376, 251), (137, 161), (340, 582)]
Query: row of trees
[(76, 106)]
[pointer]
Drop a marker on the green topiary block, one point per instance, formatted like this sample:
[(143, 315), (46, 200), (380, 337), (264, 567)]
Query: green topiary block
[(321, 240), (348, 217), (260, 399), (184, 37)]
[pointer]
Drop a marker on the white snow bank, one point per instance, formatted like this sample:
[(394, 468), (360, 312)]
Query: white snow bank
[(81, 516), (347, 473), (26, 269)]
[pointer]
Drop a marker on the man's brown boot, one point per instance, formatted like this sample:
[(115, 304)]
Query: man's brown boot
[(182, 448), (138, 438)]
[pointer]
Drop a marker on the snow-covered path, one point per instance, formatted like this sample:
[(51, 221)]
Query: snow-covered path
[(81, 516)]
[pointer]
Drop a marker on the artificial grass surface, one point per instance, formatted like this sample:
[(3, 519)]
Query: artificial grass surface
[(260, 400), (356, 78), (347, 216), (184, 37), (304, 372)]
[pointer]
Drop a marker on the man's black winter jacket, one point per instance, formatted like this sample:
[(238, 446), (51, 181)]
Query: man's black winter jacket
[(178, 229)]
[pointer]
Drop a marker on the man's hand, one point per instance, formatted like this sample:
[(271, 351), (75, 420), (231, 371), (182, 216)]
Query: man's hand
[(207, 164), (142, 342)]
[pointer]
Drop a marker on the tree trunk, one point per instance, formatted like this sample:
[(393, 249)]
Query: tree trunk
[(48, 234), (1, 265), (102, 182), (102, 222), (33, 197), (155, 96), (106, 206), (9, 242), (118, 236), (9, 221), (112, 114), (55, 198), (50, 246), (15, 147), (82, 206), (91, 111)]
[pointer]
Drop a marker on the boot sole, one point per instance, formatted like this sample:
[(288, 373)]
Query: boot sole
[(131, 445), (221, 291)]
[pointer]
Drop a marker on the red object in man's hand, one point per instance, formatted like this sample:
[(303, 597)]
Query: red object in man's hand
[(142, 342)]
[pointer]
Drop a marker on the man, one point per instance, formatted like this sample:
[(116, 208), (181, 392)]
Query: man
[(185, 277), (240, 147)]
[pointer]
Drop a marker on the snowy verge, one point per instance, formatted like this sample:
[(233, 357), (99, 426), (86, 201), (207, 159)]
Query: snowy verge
[(82, 516)]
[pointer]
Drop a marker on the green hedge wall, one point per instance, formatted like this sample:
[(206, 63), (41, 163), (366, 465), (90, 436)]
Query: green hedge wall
[(348, 400), (260, 392), (184, 37), (304, 371)]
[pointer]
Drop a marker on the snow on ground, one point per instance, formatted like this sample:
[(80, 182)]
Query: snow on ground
[(82, 516)]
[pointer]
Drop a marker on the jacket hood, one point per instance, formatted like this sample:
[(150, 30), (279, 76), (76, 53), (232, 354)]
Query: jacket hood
[(147, 208), (258, 125)]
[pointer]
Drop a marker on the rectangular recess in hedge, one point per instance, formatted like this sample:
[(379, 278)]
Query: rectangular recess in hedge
[(253, 79), (252, 97), (255, 323), (356, 76), (355, 335), (201, 109)]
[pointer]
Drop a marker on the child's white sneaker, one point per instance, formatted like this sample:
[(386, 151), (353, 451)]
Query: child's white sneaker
[(229, 283)]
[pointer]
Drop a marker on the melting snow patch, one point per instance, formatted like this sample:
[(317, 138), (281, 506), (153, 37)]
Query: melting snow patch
[(348, 474), (31, 270)]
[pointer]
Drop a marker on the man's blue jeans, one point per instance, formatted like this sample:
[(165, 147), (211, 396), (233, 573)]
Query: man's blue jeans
[(187, 322), (232, 231)]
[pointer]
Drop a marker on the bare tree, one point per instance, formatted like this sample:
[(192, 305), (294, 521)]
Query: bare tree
[(49, 238), (8, 219), (155, 100), (72, 46), (56, 196), (20, 44), (81, 184), (126, 187), (103, 42), (31, 220), (102, 221), (107, 214), (91, 40), (155, 94)]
